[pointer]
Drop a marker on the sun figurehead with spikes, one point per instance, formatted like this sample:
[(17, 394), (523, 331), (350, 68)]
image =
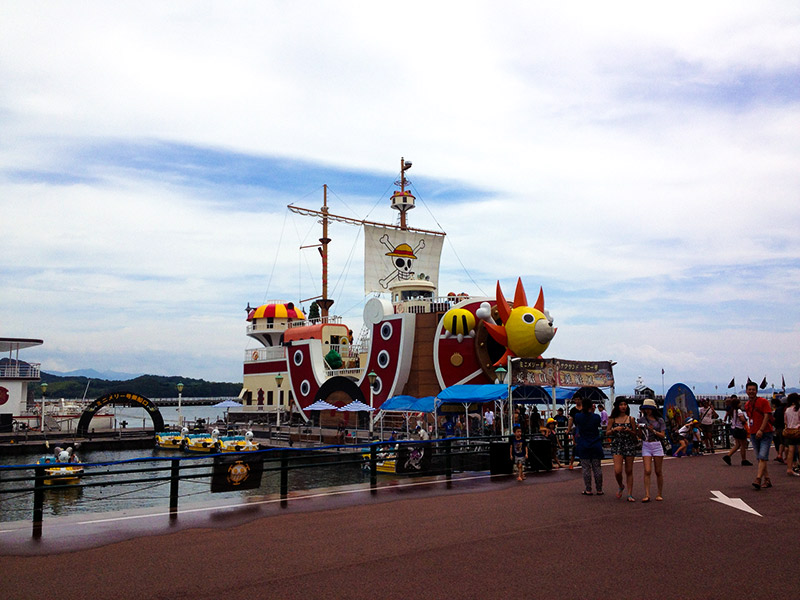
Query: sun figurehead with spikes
[(526, 330)]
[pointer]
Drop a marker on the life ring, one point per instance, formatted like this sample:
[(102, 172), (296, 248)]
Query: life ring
[(401, 308), (254, 355)]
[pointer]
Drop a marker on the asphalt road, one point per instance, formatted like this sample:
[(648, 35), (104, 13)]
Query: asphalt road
[(482, 538)]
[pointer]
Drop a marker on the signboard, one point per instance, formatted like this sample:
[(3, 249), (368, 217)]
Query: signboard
[(238, 472), (555, 372), (413, 458)]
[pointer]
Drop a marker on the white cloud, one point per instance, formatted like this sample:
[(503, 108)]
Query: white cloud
[(623, 145)]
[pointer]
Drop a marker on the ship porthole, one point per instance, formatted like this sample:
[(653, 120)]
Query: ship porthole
[(298, 357), (305, 388), (386, 331), (377, 386), (383, 359)]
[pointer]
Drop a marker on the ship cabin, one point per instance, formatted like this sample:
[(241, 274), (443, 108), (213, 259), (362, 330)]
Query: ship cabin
[(416, 296), (265, 368)]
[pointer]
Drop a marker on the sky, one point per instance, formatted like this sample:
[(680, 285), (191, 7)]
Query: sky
[(639, 161)]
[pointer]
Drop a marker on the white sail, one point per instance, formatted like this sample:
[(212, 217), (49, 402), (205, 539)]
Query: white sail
[(392, 254)]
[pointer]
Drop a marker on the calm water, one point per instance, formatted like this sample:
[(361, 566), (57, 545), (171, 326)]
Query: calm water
[(17, 507)]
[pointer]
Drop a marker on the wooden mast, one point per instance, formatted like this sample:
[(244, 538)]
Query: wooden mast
[(324, 302)]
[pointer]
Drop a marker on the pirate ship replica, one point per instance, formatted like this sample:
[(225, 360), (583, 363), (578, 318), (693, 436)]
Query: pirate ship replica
[(413, 342)]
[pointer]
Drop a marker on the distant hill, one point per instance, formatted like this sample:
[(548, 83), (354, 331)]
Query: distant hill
[(93, 374), (149, 386)]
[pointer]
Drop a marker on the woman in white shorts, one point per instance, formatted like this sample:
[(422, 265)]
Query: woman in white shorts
[(653, 430)]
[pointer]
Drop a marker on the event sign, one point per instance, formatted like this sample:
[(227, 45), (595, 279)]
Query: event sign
[(552, 372)]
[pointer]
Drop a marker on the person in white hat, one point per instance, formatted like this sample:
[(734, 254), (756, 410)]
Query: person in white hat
[(653, 431)]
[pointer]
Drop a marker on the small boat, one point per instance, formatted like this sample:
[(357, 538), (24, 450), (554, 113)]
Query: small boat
[(171, 441), (238, 443), (201, 442), (66, 470)]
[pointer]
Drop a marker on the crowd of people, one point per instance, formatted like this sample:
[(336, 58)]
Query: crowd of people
[(758, 424)]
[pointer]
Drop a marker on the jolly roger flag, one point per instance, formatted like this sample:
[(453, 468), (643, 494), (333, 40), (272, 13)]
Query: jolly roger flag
[(732, 383), (763, 383), (237, 472)]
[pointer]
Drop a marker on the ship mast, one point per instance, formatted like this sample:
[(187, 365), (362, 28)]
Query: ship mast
[(324, 302)]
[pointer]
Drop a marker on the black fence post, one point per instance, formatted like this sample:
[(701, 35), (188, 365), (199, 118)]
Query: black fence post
[(174, 474), (38, 501), (448, 460), (373, 469), (284, 478)]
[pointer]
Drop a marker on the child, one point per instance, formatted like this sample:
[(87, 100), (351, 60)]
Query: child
[(550, 433), (519, 452), (684, 437)]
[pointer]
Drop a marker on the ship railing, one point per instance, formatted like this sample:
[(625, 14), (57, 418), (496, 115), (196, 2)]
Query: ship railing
[(21, 370), (344, 372), (331, 319), (428, 305), (282, 326), (259, 354)]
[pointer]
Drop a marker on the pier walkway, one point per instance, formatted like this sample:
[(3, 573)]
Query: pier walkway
[(483, 537)]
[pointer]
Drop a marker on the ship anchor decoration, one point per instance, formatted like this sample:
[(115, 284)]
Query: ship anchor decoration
[(415, 342)]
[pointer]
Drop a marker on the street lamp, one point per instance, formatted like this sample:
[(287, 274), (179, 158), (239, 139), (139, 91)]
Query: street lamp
[(279, 381), (44, 397), (372, 376), (180, 396)]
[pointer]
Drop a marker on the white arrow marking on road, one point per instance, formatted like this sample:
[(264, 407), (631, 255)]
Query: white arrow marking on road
[(732, 502)]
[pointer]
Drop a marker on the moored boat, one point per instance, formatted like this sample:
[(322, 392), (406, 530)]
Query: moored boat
[(238, 443), (201, 442), (166, 440), (66, 467)]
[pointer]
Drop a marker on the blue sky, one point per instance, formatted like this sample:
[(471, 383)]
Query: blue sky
[(638, 162)]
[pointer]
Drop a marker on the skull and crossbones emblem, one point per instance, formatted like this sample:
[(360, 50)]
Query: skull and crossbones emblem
[(403, 256)]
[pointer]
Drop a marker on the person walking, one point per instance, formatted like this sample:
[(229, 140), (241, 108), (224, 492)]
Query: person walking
[(778, 410), (589, 447), (737, 421), (623, 444), (573, 431), (707, 417), (653, 431), (759, 414), (791, 433)]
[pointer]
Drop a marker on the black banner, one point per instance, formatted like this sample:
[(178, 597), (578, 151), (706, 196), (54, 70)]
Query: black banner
[(413, 458), (239, 472)]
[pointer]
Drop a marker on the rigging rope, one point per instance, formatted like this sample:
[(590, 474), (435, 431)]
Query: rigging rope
[(452, 247)]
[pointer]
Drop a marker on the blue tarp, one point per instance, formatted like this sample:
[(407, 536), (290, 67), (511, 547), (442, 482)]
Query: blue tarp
[(398, 403), (408, 404), (461, 394)]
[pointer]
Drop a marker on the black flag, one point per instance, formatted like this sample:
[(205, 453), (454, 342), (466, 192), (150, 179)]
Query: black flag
[(732, 383), (764, 383), (783, 384)]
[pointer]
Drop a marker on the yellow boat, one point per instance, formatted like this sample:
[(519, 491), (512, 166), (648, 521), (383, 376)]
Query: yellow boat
[(170, 441), (66, 469), (238, 443), (201, 442)]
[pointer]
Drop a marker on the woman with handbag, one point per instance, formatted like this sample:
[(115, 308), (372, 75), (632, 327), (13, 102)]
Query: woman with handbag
[(791, 431), (624, 444), (738, 424), (653, 431)]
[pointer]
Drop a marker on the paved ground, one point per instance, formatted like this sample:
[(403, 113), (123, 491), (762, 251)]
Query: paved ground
[(483, 538)]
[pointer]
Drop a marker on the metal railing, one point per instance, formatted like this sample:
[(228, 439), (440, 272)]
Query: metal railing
[(21, 370), (259, 354), (447, 456)]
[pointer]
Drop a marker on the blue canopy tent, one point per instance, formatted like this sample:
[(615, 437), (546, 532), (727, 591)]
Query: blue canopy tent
[(471, 394), (406, 405)]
